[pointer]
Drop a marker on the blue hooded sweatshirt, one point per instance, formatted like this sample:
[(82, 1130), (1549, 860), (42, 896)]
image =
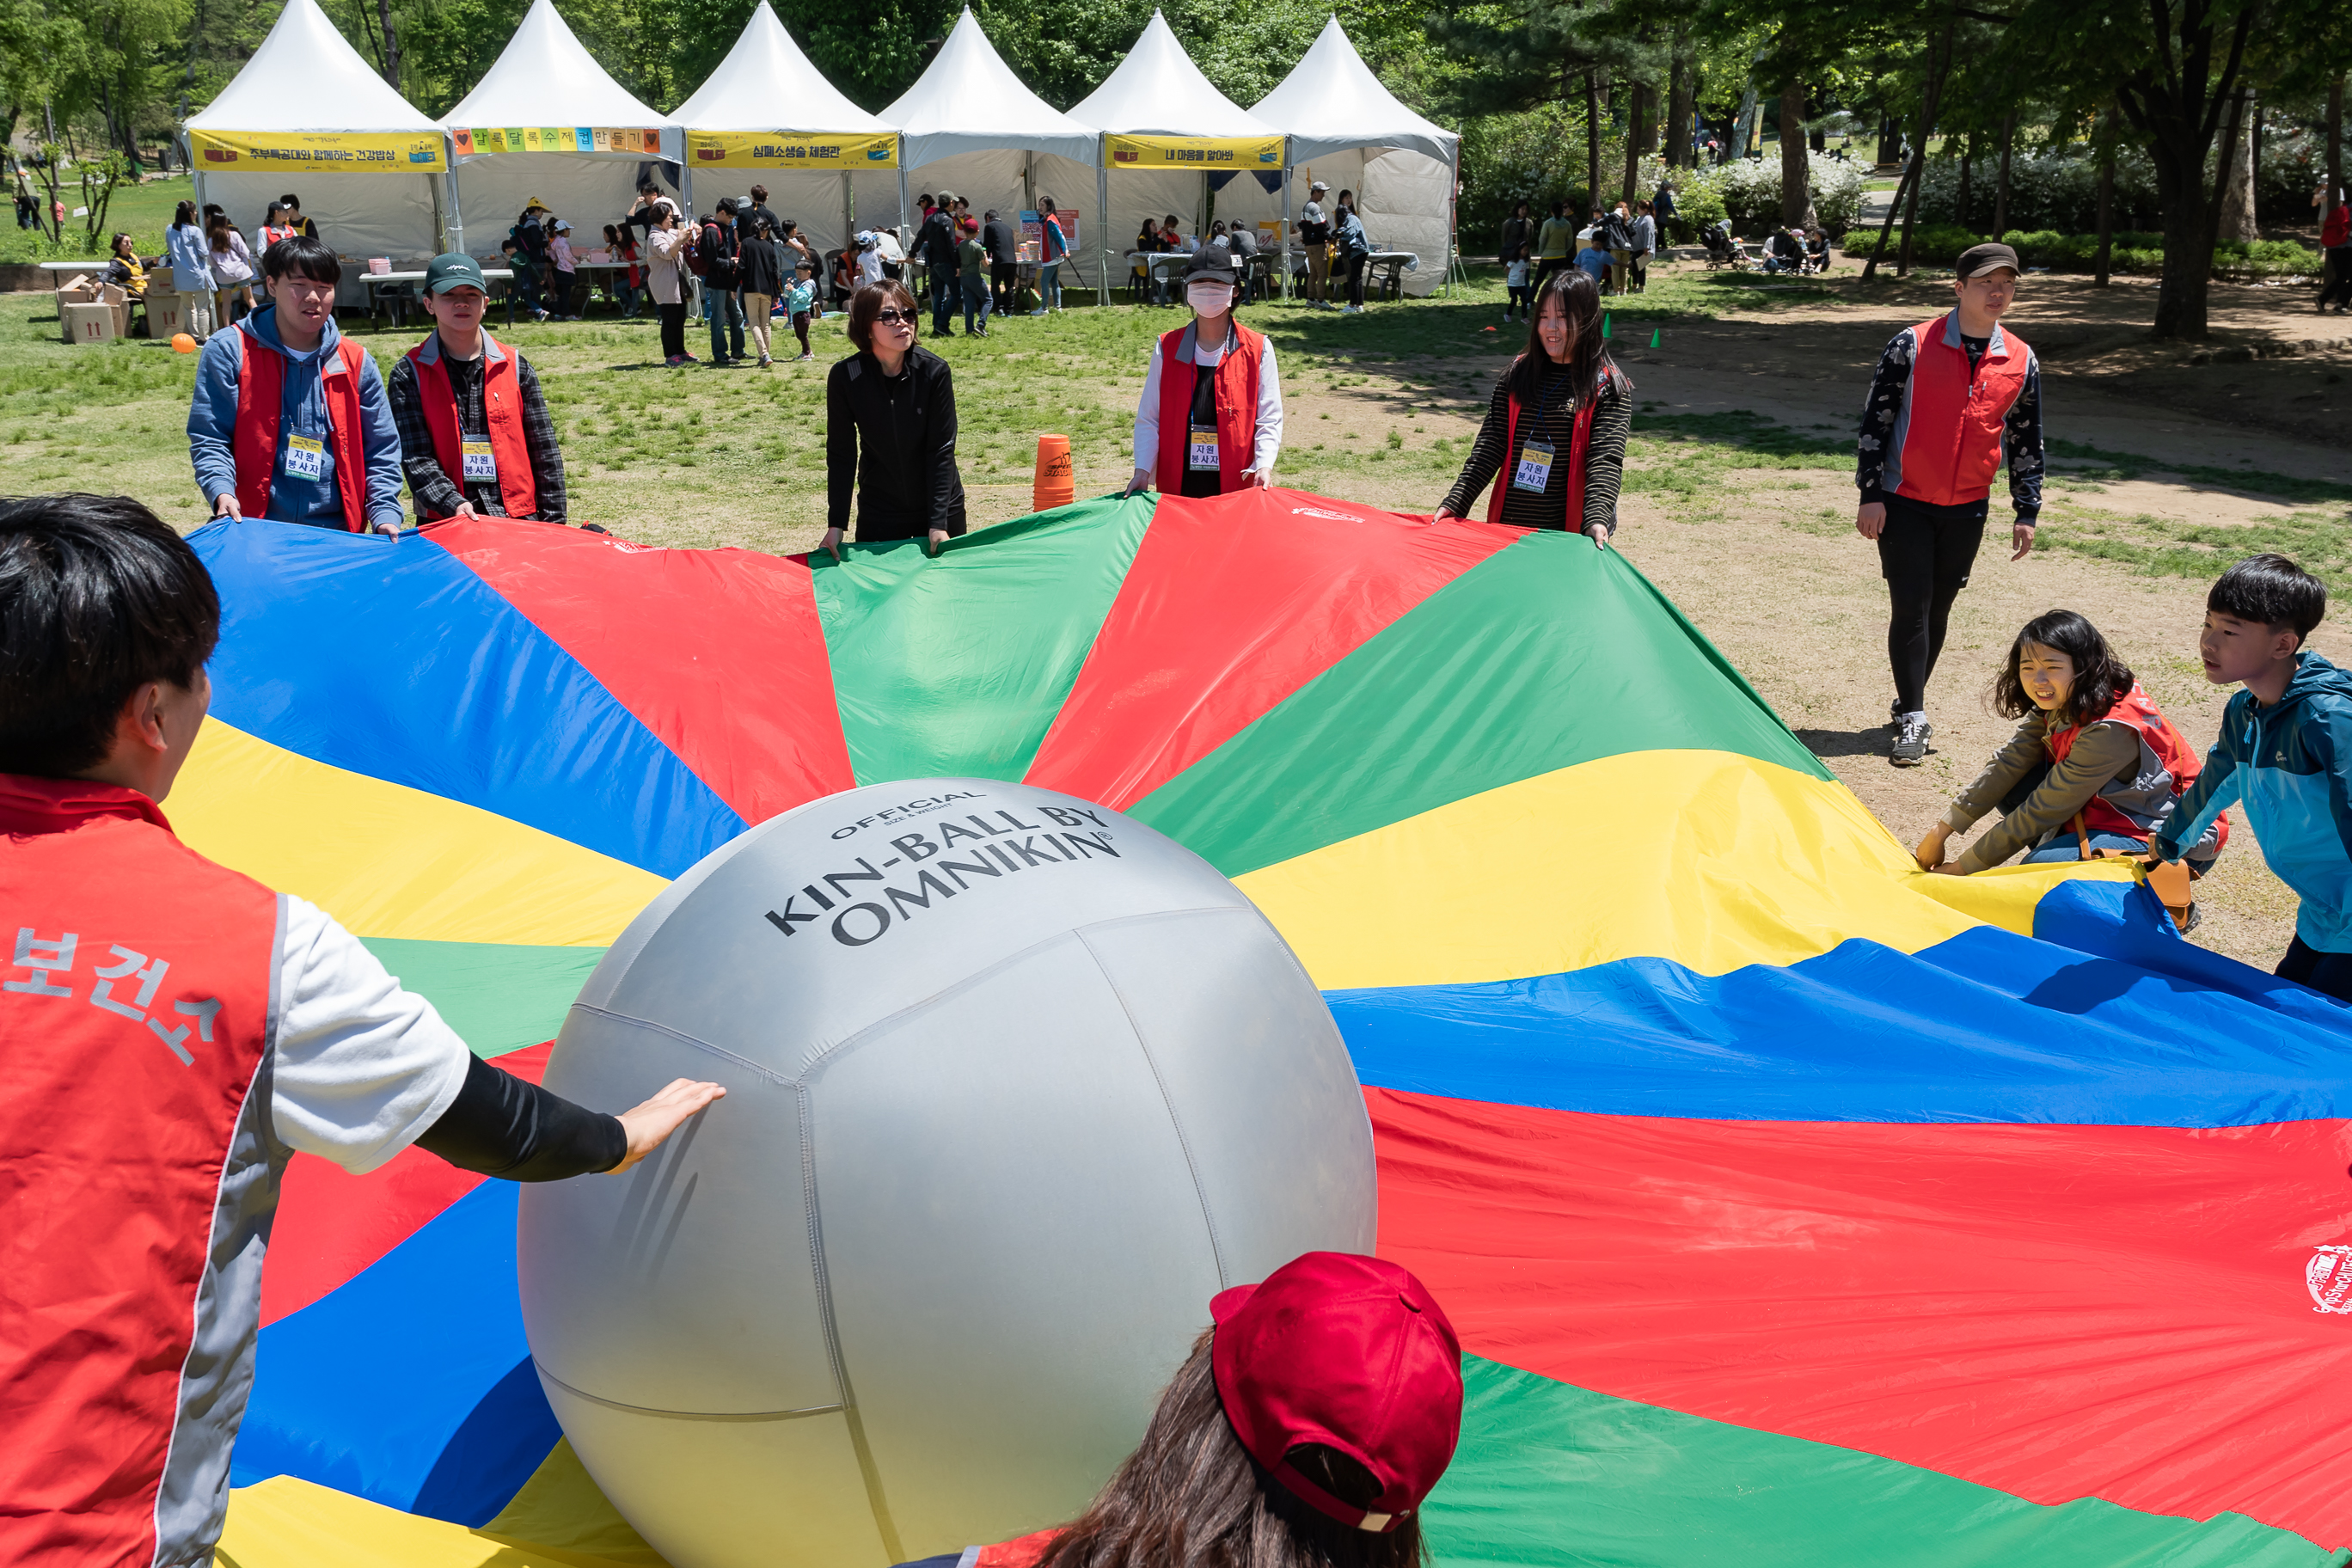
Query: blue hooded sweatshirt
[(212, 426), (2291, 765)]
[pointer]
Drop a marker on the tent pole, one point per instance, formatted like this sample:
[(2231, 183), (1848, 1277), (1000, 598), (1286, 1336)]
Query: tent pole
[(457, 236), (440, 216), (1102, 223), (693, 284), (906, 240), (1286, 218), (849, 211)]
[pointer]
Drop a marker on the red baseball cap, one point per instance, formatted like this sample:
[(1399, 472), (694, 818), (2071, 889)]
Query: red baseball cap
[(1349, 1351)]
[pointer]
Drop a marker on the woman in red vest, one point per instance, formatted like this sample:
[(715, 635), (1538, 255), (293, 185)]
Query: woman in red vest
[(1554, 439), (1210, 419), (174, 1031), (2093, 766), (475, 437)]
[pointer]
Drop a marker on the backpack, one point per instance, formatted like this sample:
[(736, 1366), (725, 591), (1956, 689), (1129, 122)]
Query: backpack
[(695, 261)]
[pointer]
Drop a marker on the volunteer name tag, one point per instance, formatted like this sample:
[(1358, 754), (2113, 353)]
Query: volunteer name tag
[(1533, 471), (306, 458), (1204, 450), (479, 463)]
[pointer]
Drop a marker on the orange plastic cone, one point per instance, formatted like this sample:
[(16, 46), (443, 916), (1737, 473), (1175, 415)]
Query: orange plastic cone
[(1055, 484)]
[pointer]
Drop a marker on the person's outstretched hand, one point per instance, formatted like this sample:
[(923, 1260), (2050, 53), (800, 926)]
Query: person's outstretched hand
[(226, 506), (1599, 535), (1870, 521), (2021, 536), (832, 544), (939, 540), (650, 1123), (1931, 853)]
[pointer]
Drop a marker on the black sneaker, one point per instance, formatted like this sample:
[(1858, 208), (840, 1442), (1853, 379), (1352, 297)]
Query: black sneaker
[(1911, 735)]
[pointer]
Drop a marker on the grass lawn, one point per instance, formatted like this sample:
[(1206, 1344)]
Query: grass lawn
[(143, 212)]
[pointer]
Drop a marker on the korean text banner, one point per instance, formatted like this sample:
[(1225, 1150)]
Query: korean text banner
[(1192, 151), (790, 150), (360, 152), (611, 141)]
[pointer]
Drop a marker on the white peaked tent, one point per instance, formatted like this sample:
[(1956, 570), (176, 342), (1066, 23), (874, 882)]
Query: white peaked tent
[(1167, 133), (1351, 133), (308, 115), (969, 126), (547, 122), (766, 117)]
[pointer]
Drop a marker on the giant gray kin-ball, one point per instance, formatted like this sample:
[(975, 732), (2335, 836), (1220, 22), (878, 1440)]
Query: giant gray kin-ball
[(1015, 1084)]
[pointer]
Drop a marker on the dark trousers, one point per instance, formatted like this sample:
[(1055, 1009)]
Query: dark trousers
[(976, 304), (1522, 299), (1544, 267), (672, 323), (2329, 974), (559, 294), (946, 288), (1925, 552), (1002, 277), (1356, 278), (2338, 290), (800, 326)]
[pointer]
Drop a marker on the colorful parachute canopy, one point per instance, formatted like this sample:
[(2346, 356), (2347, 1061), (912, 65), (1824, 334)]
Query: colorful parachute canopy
[(1795, 1208)]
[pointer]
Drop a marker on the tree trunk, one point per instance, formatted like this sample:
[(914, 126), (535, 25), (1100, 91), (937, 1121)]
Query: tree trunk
[(1796, 185), (2334, 146), (1743, 134), (1679, 85), (1938, 64), (1637, 139), (2099, 263), (2176, 115), (1968, 181), (1591, 142), (2236, 218), (391, 57), (1890, 139), (2001, 180), (1886, 224)]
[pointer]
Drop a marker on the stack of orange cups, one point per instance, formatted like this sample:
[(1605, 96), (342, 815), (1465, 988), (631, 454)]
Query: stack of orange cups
[(1055, 484)]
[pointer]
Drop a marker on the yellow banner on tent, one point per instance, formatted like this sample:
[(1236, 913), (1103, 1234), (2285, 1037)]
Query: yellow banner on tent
[(623, 140), (790, 150), (1192, 151), (263, 151)]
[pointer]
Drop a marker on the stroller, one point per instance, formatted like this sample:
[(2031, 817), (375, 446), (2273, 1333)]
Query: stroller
[(1722, 249)]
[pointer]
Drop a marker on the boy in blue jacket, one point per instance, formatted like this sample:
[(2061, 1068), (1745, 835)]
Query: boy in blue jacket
[(2285, 753)]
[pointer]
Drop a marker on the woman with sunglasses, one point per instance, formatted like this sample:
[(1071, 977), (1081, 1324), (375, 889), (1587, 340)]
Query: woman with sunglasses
[(890, 429)]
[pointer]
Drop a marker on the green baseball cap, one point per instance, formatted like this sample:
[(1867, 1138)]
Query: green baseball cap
[(443, 273)]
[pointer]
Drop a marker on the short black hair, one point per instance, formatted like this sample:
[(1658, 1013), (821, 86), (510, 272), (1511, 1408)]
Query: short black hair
[(300, 256), (97, 597), (2273, 590)]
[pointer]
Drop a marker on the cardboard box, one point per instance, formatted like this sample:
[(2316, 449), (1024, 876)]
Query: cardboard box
[(92, 322), (166, 316), (86, 290)]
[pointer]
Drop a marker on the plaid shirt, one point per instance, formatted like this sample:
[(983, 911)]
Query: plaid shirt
[(435, 493)]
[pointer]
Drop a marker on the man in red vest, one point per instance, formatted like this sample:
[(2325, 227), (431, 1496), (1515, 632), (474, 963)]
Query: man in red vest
[(474, 437), (1950, 398), (1210, 419), (289, 419), (171, 1033)]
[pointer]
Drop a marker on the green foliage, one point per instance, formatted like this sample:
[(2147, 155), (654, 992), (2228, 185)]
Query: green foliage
[(1748, 192), (2134, 253)]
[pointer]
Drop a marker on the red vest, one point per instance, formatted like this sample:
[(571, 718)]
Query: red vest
[(1580, 439), (2168, 765), (1948, 448), (134, 1174), (502, 406), (260, 402), (1236, 391)]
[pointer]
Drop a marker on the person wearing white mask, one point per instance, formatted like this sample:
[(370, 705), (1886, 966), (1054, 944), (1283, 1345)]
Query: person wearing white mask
[(1210, 419)]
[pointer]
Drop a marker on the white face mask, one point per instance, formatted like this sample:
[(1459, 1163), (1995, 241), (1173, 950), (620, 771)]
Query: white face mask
[(1209, 298)]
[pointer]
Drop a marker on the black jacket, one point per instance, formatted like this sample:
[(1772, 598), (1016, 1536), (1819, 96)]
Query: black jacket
[(937, 241), (761, 267), (998, 238), (892, 438), (721, 245), (1616, 234)]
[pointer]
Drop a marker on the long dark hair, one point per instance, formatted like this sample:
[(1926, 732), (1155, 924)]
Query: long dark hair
[(1192, 1496), (1587, 353), (185, 215), (2100, 677)]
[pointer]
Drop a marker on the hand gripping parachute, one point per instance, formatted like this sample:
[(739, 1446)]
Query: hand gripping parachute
[(1791, 1204)]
